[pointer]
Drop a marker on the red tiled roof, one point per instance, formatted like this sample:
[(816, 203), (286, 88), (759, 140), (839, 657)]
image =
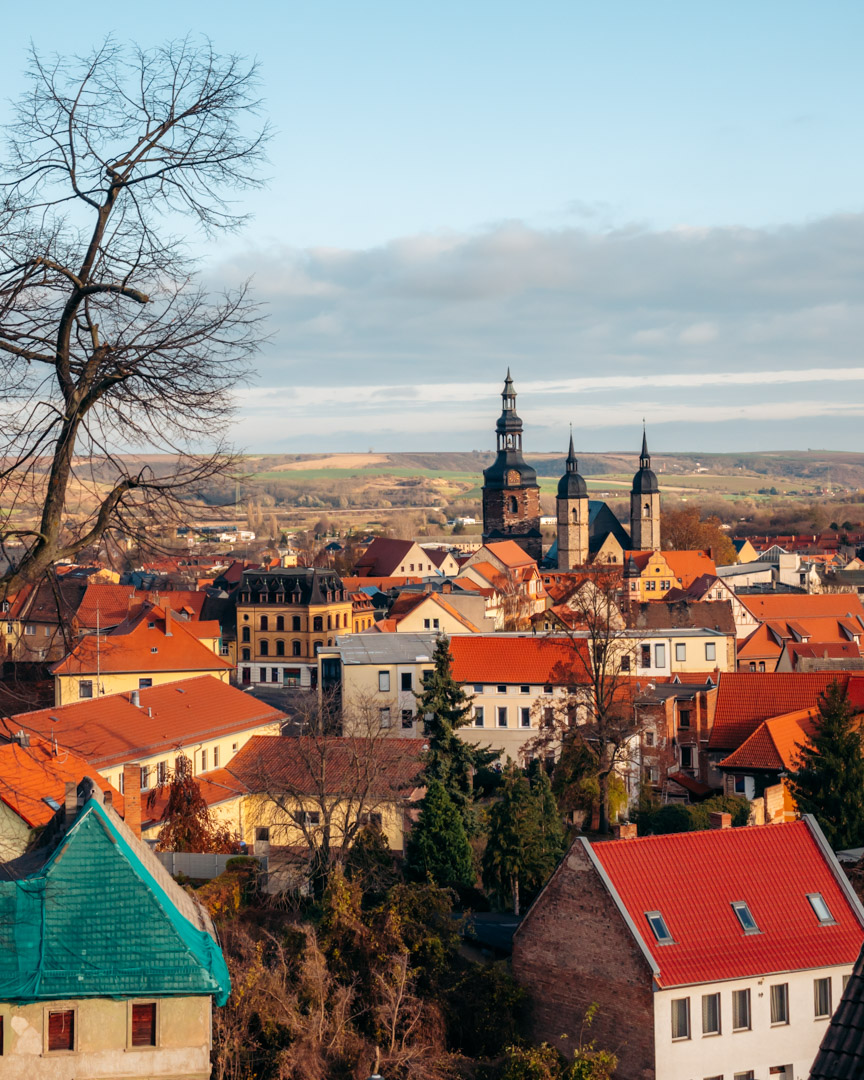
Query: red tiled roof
[(30, 774), (114, 603), (823, 650), (775, 744), (804, 605), (687, 566), (276, 764), (745, 699), (111, 730), (383, 557), (495, 658), (136, 646), (352, 584), (510, 553), (668, 874)]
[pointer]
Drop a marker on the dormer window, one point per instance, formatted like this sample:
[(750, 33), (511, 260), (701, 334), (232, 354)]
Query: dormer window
[(658, 925), (745, 917), (821, 909)]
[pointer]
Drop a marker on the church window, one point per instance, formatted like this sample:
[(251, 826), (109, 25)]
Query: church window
[(513, 504), (575, 514), (646, 510)]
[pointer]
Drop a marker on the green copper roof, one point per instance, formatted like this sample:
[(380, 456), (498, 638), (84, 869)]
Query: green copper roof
[(96, 922)]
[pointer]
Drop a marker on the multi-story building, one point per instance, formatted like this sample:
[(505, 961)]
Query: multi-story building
[(284, 618)]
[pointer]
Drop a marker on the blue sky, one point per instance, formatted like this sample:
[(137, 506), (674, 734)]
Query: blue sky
[(645, 208)]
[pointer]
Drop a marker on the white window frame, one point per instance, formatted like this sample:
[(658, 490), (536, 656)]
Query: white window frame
[(677, 1015)]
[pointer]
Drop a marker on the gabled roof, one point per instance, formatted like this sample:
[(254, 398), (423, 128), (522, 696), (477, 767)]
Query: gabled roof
[(771, 868), (841, 1052), (100, 920), (498, 658), (31, 774), (709, 614), (383, 557), (509, 553), (111, 730), (805, 605), (270, 763), (48, 601), (111, 604), (407, 602), (768, 639), (146, 642), (746, 699), (822, 650), (776, 743)]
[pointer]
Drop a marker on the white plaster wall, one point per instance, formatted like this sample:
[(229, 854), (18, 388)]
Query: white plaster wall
[(760, 1048)]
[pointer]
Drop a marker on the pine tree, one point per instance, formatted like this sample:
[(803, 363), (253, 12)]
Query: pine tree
[(449, 759), (829, 780), (523, 843), (438, 846), (551, 829)]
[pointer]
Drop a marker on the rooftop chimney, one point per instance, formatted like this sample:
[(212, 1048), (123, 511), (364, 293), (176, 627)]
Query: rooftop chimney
[(135, 698), (625, 831), (70, 801), (717, 820), (132, 797), (108, 798), (167, 621)]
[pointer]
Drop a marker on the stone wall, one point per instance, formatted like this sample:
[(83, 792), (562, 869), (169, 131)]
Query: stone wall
[(500, 522)]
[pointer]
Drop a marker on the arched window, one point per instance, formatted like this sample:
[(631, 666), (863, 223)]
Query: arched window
[(329, 622), (280, 648), (329, 642), (263, 648), (318, 647), (245, 633), (513, 504), (295, 623), (246, 654), (280, 622), (295, 648), (317, 624), (264, 625), (575, 514), (646, 510)]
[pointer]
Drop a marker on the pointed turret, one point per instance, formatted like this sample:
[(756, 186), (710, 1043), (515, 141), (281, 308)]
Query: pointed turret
[(571, 485), (572, 515), (645, 481), (645, 504)]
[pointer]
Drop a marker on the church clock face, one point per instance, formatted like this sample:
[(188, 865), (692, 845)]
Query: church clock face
[(513, 478)]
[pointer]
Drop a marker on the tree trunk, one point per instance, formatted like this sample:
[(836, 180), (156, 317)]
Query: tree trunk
[(515, 886), (603, 782)]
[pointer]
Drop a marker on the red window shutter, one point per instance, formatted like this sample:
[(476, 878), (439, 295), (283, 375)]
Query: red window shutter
[(61, 1030), (144, 1024)]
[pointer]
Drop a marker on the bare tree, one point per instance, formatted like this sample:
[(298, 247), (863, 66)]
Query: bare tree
[(596, 720), (110, 346)]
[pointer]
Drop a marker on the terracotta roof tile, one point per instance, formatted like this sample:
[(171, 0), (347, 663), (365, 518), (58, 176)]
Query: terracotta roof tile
[(804, 605), (657, 873), (496, 658), (775, 744)]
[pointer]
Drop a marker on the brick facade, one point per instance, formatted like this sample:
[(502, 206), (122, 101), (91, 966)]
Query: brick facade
[(572, 950), (504, 519)]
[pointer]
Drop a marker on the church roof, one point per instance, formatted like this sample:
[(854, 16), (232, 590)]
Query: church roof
[(645, 480), (572, 485)]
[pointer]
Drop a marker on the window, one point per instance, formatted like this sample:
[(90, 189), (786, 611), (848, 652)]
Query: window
[(265, 623), (295, 648), (524, 689), (681, 1018), (625, 663), (645, 656), (295, 623), (61, 1030), (684, 718), (85, 688), (317, 624), (406, 680), (846, 979), (823, 913), (512, 504), (143, 1026), (686, 757), (161, 772), (427, 623), (478, 688), (752, 665), (145, 684), (223, 648), (264, 648), (761, 667), (502, 716), (650, 585), (203, 761), (740, 1010), (372, 819), (383, 682), (280, 622), (435, 624), (154, 649), (681, 651), (407, 718), (502, 688), (525, 717), (821, 998), (246, 654), (652, 774), (649, 738), (658, 925), (478, 716), (280, 648), (262, 834), (30, 630), (262, 674), (780, 1003), (145, 777), (660, 656), (384, 717), (547, 689), (710, 650), (710, 1014), (748, 1075), (215, 757), (245, 634), (745, 917), (740, 785)]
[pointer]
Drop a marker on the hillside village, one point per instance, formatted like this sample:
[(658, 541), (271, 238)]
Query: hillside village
[(552, 742)]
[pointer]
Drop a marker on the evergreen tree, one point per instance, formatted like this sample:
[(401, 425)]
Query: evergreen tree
[(438, 846), (829, 780), (551, 829), (449, 759), (523, 843)]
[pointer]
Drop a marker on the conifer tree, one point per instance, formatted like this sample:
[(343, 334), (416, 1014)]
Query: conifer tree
[(829, 780), (523, 843), (438, 846), (449, 759)]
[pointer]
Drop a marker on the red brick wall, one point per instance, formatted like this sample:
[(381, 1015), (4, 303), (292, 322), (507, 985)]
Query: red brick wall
[(573, 950), (499, 522)]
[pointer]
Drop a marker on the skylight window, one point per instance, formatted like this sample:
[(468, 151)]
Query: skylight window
[(658, 925), (51, 802), (745, 917), (823, 912)]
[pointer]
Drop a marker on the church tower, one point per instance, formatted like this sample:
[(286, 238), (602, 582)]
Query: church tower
[(511, 496), (645, 505), (572, 507)]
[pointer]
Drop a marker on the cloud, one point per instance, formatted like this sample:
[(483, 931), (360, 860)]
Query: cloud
[(407, 342)]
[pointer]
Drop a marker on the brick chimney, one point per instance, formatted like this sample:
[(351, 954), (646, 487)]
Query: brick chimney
[(168, 632), (625, 831), (717, 820), (132, 797), (108, 798), (70, 802)]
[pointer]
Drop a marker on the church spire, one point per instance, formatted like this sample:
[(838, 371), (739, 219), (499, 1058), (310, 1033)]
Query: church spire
[(644, 457), (572, 463), (508, 394)]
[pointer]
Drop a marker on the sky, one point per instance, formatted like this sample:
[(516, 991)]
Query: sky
[(643, 208)]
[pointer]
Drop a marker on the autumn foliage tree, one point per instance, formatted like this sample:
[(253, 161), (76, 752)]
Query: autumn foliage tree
[(687, 530), (187, 824)]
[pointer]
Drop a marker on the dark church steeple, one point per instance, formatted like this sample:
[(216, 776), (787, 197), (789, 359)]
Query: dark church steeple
[(645, 504)]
